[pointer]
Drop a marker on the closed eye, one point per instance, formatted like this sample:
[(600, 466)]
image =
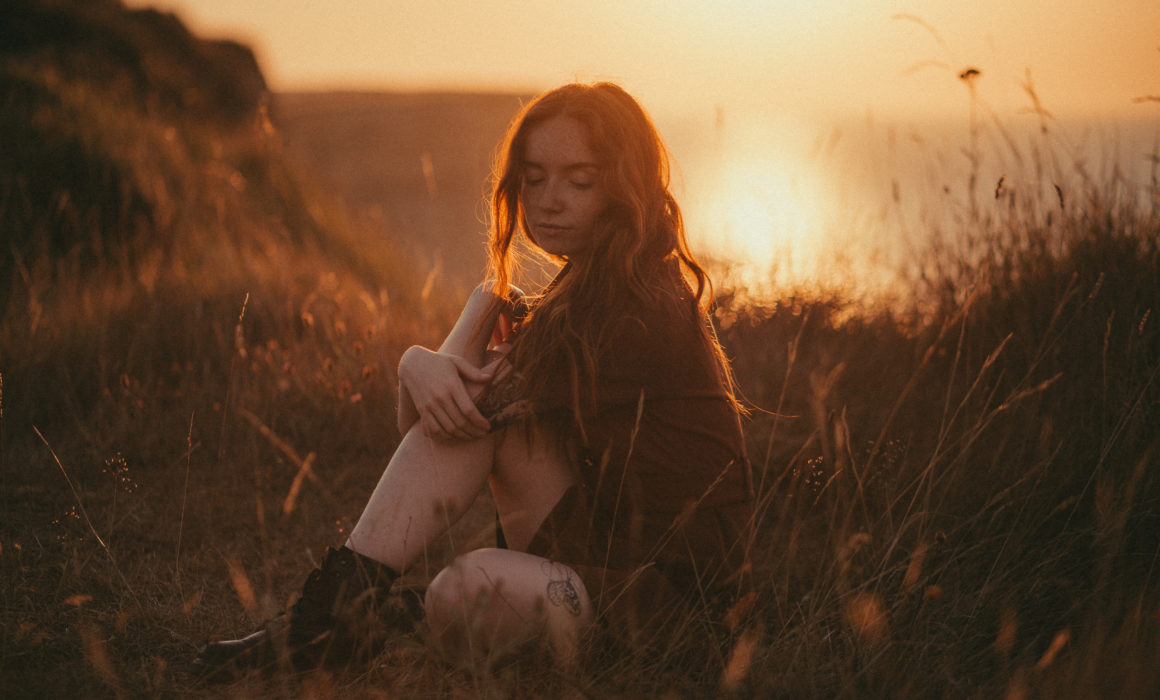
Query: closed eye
[(533, 175)]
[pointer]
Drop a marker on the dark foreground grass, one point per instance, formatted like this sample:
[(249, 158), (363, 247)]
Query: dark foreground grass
[(965, 502), (958, 495), (957, 501)]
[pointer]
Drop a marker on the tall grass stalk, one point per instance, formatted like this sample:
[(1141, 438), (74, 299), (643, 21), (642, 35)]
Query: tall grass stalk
[(85, 514), (184, 502)]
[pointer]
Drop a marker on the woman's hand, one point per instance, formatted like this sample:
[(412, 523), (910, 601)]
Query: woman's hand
[(495, 363), (503, 400), (437, 388), (438, 384)]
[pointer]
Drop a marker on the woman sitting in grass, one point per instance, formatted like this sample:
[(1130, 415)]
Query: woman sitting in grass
[(600, 413)]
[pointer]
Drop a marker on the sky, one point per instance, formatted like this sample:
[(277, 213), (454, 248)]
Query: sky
[(744, 91), (803, 59)]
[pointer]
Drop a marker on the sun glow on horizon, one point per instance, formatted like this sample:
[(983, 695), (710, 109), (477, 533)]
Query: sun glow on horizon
[(755, 198), (760, 208), (766, 217)]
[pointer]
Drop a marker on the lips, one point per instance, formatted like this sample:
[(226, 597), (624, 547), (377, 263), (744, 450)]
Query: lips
[(552, 228)]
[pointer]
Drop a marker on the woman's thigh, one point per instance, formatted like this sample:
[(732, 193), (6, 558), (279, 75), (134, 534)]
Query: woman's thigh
[(531, 471), (489, 601)]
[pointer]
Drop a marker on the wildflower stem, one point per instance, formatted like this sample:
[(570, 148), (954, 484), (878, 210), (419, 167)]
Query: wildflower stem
[(85, 513)]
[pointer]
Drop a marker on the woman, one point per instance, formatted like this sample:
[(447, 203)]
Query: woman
[(600, 413)]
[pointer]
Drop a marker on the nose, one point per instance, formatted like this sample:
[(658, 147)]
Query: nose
[(551, 199)]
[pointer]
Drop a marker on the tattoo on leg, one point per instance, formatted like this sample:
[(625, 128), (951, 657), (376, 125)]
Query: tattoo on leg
[(563, 594)]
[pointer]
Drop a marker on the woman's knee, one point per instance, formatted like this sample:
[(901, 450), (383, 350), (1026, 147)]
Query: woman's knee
[(469, 611), (461, 586), (489, 600)]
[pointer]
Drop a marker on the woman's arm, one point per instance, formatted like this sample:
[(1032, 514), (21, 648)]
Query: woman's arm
[(434, 385)]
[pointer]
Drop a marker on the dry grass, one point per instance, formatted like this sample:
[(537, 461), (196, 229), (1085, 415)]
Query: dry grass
[(958, 497)]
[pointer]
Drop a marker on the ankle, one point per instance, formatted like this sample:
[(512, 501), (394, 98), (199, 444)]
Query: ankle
[(370, 572)]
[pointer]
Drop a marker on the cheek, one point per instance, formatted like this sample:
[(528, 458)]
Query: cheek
[(595, 205)]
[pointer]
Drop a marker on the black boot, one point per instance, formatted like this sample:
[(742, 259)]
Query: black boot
[(344, 614), (338, 619)]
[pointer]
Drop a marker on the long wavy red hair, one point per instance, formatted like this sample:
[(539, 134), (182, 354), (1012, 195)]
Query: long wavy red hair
[(639, 252)]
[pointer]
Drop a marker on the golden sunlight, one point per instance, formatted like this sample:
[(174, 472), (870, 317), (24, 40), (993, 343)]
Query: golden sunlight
[(760, 210), (765, 214)]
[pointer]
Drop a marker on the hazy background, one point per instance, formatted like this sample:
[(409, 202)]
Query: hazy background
[(805, 134), (800, 60)]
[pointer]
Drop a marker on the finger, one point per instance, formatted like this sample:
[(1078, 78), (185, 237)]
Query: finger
[(440, 427), (503, 370), (469, 371), (440, 434), (496, 360), (473, 421), (494, 365), (433, 430), (458, 415), (474, 425)]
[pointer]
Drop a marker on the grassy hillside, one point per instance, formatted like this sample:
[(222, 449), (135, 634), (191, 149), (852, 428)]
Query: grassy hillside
[(413, 167), (959, 497), (144, 194), (180, 323)]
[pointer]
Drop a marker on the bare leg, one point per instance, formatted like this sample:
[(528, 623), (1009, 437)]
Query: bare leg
[(530, 474), (426, 487), (486, 596), (490, 599), (494, 600)]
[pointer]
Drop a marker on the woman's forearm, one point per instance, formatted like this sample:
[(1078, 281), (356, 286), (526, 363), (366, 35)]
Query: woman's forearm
[(407, 414), (471, 333), (468, 339)]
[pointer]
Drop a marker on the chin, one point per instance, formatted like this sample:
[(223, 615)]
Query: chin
[(558, 251)]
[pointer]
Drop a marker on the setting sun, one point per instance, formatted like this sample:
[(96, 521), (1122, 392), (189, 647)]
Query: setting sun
[(762, 217), (782, 72)]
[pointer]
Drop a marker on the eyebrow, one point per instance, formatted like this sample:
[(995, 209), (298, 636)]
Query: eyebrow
[(584, 165)]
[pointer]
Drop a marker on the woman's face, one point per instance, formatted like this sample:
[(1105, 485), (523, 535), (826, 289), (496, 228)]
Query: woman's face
[(563, 193)]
